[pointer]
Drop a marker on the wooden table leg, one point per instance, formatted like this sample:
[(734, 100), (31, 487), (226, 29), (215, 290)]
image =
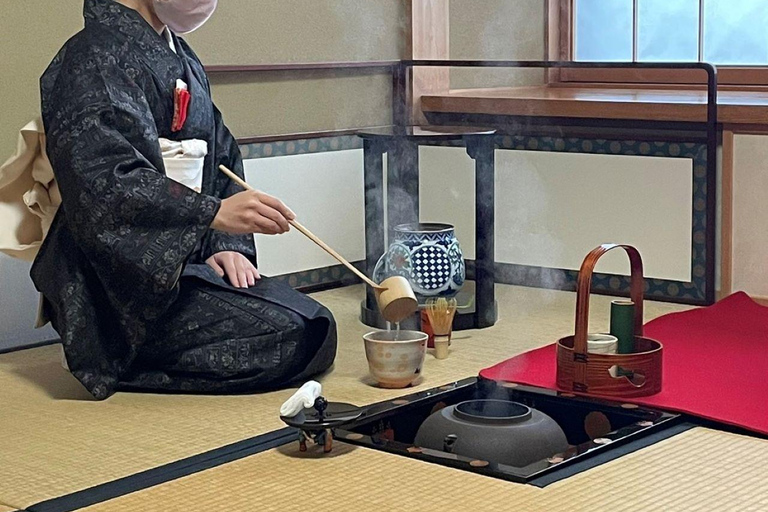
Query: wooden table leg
[(482, 150), (373, 172)]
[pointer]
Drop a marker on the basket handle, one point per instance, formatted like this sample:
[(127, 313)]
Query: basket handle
[(583, 289)]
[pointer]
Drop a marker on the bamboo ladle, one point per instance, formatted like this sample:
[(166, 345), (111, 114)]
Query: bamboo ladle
[(394, 295)]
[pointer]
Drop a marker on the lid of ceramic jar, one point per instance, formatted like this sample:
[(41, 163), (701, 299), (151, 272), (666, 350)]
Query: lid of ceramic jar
[(424, 227)]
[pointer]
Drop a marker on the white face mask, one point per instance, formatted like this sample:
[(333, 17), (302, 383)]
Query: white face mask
[(184, 16)]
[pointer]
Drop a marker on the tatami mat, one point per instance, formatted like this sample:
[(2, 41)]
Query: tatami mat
[(55, 441), (698, 470)]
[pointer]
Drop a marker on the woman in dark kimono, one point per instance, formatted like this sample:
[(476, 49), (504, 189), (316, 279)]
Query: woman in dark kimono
[(151, 285)]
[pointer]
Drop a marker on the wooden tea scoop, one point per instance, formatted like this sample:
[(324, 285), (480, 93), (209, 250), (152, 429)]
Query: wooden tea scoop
[(394, 295)]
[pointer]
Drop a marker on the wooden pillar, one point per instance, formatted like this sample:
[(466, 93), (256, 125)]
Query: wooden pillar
[(555, 38), (726, 225), (428, 39), (558, 19)]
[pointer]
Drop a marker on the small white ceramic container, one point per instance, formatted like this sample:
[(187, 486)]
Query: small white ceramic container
[(602, 344), (395, 358)]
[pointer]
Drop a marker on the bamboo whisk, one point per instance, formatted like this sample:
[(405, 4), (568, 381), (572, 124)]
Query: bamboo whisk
[(440, 313)]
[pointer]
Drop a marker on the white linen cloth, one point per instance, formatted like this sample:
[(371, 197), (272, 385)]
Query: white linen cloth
[(301, 399)]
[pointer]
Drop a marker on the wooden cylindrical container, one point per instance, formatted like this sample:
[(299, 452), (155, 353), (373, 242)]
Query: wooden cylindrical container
[(620, 375)]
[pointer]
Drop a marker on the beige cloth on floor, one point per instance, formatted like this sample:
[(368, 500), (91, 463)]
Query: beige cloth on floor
[(29, 196)]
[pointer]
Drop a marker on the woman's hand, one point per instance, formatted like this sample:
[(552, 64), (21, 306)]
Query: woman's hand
[(238, 269), (252, 211)]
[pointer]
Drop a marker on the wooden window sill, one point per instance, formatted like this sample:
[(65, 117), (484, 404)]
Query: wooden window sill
[(735, 107)]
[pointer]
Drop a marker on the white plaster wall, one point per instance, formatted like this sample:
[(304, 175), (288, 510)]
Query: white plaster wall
[(326, 192), (18, 306), (553, 208), (497, 30), (750, 215)]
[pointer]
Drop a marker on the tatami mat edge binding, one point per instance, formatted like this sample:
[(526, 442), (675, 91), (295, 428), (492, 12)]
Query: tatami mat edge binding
[(167, 473), (28, 347)]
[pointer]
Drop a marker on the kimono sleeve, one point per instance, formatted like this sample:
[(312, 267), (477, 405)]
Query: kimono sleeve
[(135, 226)]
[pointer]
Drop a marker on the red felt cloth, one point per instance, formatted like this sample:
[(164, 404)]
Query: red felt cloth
[(715, 363)]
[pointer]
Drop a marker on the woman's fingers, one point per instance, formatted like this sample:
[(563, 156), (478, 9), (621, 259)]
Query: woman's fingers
[(253, 274), (215, 266), (277, 205), (231, 270), (253, 212), (242, 276), (275, 216), (265, 225), (239, 270)]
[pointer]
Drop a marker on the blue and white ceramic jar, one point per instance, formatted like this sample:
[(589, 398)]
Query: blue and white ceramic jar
[(428, 255)]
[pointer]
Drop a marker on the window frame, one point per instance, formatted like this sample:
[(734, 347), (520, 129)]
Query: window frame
[(559, 46)]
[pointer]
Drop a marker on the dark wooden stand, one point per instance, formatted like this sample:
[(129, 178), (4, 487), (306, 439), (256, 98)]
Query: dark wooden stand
[(316, 423), (401, 144)]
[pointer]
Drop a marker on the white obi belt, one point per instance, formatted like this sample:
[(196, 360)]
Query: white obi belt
[(184, 161)]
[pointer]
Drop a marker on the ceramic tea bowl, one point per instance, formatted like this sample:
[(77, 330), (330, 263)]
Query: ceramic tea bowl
[(395, 358)]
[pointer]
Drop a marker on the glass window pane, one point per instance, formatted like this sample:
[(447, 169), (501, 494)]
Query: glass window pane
[(603, 30), (668, 30), (735, 31)]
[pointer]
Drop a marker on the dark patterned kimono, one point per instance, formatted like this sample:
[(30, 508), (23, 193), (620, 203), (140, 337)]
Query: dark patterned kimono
[(122, 269)]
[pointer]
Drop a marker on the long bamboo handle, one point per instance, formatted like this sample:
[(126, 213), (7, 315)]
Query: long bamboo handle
[(234, 177), (336, 255)]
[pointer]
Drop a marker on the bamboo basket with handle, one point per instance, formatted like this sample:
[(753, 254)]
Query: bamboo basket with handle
[(621, 375)]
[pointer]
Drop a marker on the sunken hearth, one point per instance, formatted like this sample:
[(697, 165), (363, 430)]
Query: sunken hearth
[(507, 431)]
